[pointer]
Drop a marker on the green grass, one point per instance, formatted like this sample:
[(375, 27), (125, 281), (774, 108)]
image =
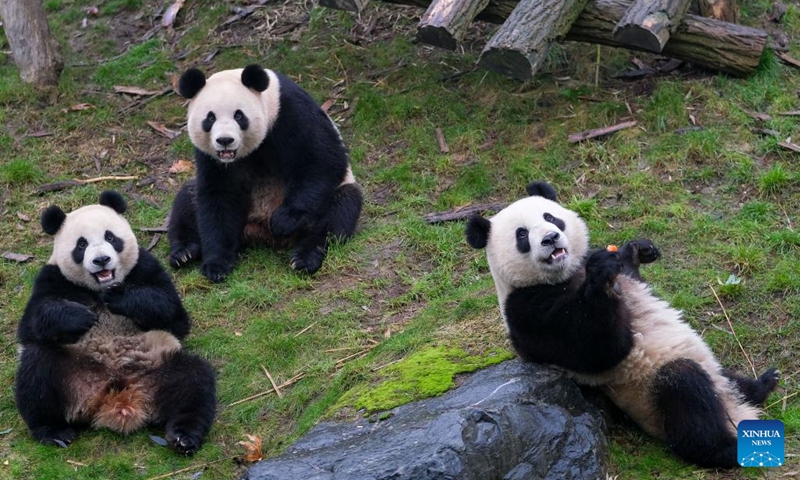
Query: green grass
[(721, 201)]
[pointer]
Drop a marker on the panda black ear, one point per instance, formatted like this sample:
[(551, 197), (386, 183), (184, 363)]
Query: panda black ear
[(52, 219), (114, 200), (477, 231), (541, 189), (191, 82), (255, 77)]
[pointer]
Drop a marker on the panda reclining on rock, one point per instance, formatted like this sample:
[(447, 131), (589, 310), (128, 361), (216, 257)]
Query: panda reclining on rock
[(592, 314), (271, 169), (99, 338)]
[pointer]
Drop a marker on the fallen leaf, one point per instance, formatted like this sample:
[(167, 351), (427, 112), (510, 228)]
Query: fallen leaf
[(253, 449), (134, 90), (81, 106), (171, 13), (181, 166), (163, 130), (17, 257), (328, 104), (159, 440), (92, 11), (23, 217)]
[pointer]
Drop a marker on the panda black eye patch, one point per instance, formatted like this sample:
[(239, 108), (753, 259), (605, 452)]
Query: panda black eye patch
[(208, 122), (79, 250), (241, 119), (115, 241), (523, 243), (555, 221)]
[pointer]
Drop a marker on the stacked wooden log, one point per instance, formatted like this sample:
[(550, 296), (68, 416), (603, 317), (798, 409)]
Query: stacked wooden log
[(530, 27)]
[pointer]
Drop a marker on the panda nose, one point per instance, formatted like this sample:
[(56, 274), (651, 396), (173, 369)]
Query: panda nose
[(550, 239), (225, 141), (101, 261)]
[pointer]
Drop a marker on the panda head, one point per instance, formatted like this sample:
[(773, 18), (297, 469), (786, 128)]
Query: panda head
[(230, 112), (94, 246), (533, 241)]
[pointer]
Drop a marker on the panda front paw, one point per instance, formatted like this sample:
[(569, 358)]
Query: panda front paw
[(308, 261), (78, 319), (60, 437), (286, 222), (602, 269), (640, 251), (216, 271), (184, 255), (769, 379), (114, 298), (184, 443)]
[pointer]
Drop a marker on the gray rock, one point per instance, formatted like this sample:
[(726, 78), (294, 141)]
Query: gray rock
[(513, 421)]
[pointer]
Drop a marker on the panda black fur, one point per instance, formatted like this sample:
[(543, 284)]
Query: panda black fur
[(99, 338), (271, 168), (591, 313)]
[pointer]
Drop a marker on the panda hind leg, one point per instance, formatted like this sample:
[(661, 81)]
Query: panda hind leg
[(339, 224), (695, 421), (185, 401), (182, 231), (755, 390), (635, 253)]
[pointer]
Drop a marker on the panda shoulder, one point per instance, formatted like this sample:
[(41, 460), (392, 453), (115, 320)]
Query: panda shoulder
[(148, 268)]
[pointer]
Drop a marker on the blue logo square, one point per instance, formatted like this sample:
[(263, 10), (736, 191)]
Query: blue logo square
[(761, 443)]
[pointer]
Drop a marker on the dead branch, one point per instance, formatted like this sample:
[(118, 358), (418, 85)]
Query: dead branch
[(463, 212), (274, 386), (599, 132)]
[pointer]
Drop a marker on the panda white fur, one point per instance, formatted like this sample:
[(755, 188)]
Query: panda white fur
[(100, 338), (591, 313), (271, 169)]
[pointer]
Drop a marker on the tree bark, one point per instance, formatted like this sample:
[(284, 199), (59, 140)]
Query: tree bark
[(445, 22), (647, 24), (36, 52), (710, 43), (521, 44), (349, 5)]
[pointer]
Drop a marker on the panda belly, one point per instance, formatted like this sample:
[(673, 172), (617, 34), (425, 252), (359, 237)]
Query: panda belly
[(266, 196), (661, 336), (109, 384)]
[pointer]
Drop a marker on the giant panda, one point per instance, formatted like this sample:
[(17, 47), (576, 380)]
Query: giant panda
[(271, 168), (591, 313), (100, 338)]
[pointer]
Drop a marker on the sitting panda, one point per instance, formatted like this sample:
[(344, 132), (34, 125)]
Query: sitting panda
[(591, 313), (99, 338), (271, 169)]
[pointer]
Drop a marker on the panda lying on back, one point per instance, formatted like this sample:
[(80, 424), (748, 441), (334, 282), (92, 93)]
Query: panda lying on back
[(99, 338), (271, 168), (592, 314)]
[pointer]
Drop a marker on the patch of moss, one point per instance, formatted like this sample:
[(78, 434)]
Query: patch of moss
[(424, 374)]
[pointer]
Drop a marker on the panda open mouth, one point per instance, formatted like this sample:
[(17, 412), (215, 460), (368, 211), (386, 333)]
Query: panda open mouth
[(557, 255), (104, 277), (226, 154)]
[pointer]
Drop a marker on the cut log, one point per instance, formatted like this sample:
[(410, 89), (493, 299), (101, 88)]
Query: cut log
[(349, 5), (445, 22), (521, 44), (703, 41), (35, 50), (647, 24), (710, 43)]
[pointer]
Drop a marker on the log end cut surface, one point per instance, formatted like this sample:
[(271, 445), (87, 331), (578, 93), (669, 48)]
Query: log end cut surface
[(642, 38), (507, 62), (436, 36)]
